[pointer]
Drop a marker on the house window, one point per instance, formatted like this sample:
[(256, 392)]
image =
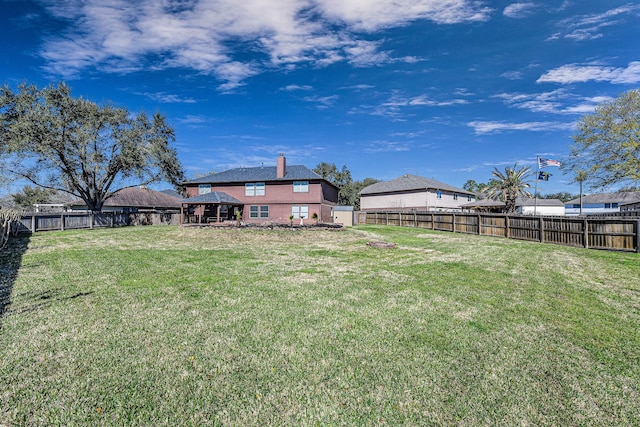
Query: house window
[(455, 196), (300, 186), (300, 211), (254, 189), (259, 211), (469, 198), (438, 194), (204, 188), (576, 206)]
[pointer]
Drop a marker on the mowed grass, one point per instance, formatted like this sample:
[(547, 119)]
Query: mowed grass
[(174, 326)]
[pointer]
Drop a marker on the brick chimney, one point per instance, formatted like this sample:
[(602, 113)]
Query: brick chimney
[(281, 168)]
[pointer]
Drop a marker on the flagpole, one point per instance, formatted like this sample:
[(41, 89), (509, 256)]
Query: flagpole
[(535, 194)]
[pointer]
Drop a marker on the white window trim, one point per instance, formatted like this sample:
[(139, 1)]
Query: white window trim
[(300, 186)]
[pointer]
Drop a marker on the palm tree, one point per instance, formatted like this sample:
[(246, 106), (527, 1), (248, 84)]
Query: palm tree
[(508, 186), (581, 176)]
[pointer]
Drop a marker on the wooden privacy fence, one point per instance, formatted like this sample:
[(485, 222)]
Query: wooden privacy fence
[(615, 234), (34, 222)]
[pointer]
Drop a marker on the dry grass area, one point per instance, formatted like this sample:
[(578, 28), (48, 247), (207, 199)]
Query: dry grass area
[(189, 326)]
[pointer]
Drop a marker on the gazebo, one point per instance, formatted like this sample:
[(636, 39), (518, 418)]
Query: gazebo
[(215, 206)]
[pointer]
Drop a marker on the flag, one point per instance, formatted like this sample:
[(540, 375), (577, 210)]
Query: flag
[(543, 163), (544, 176)]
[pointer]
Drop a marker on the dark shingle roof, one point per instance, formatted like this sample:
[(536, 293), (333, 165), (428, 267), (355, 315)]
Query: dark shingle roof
[(620, 197), (265, 173), (136, 197), (172, 193), (212, 197), (408, 183)]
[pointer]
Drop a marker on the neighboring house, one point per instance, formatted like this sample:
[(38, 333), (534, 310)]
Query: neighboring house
[(553, 207), (632, 207), (261, 194), (602, 204), (411, 192), (136, 199), (523, 206)]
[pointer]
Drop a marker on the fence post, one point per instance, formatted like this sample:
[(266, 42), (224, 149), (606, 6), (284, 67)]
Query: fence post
[(479, 224), (415, 219), (507, 223), (62, 221), (541, 229), (638, 236), (400, 218), (433, 221), (386, 214), (453, 223), (585, 233), (91, 220), (33, 223)]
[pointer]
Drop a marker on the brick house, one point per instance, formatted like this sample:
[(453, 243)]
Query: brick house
[(260, 194)]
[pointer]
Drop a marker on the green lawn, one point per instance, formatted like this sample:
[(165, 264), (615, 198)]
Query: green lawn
[(172, 326)]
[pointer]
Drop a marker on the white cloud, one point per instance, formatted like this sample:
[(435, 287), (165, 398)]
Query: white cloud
[(382, 146), (291, 88), (554, 102), (214, 36), (322, 102), (588, 27), (519, 10), (168, 98), (576, 73), (482, 127), (512, 75)]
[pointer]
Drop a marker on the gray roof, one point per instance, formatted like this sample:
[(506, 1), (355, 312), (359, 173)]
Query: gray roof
[(519, 202), (214, 197), (172, 193), (409, 183), (620, 197), (264, 173), (539, 202), (138, 198)]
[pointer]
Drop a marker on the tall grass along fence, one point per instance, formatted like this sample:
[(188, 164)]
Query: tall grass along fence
[(615, 234), (34, 222)]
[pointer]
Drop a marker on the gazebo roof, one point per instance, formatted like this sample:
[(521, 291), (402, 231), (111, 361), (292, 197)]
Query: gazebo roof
[(214, 197)]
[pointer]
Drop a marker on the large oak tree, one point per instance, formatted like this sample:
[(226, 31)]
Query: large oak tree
[(56, 141), (606, 147)]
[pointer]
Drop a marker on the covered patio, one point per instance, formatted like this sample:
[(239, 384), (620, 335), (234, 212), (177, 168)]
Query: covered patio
[(210, 207)]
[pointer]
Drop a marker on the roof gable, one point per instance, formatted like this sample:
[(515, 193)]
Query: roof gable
[(619, 197), (410, 183)]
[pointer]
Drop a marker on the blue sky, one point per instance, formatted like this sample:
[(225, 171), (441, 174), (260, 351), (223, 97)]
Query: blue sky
[(445, 89)]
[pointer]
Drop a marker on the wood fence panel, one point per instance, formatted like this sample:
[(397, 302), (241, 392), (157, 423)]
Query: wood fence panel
[(617, 234), (424, 220), (443, 222), (612, 234), (493, 225), (467, 223), (524, 228)]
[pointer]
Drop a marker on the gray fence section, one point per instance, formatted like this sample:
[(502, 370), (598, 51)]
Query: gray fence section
[(35, 222), (615, 234)]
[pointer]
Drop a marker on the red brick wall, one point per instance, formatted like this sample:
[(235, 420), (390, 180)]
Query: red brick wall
[(279, 196)]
